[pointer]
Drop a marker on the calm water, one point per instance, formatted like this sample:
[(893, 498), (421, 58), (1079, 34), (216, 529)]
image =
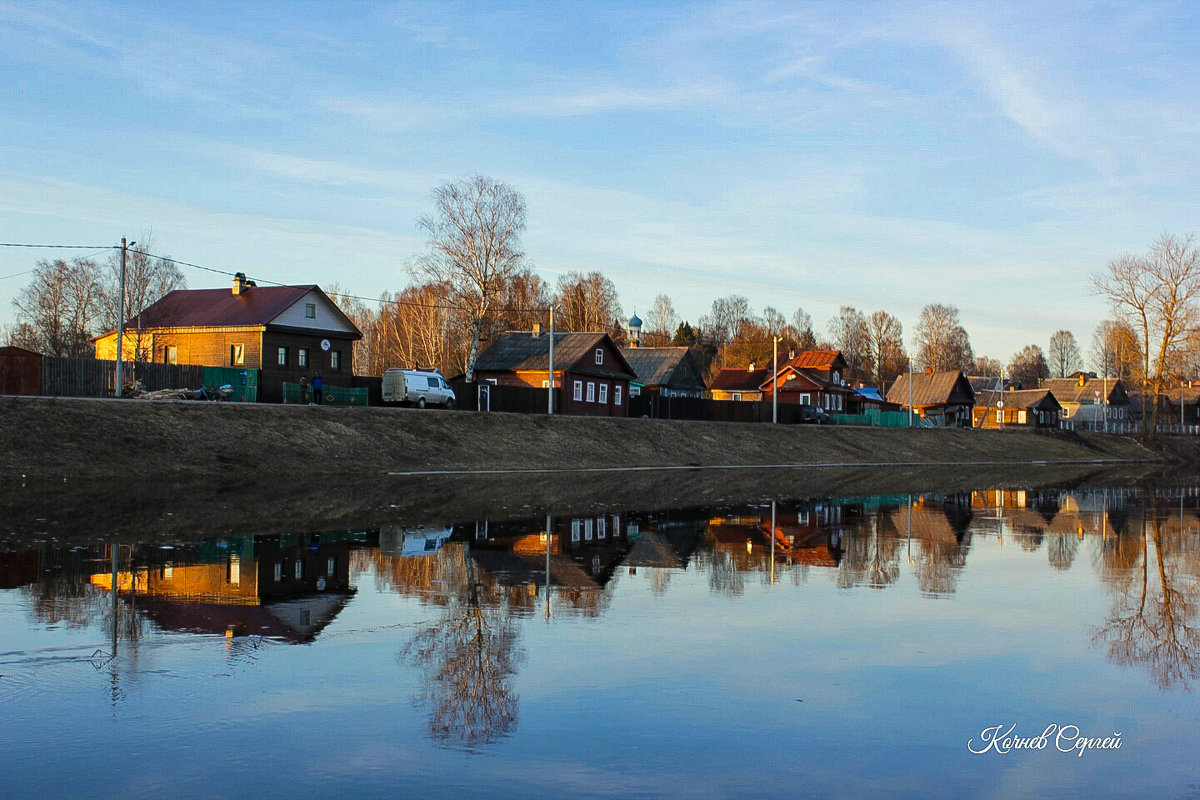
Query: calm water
[(855, 647)]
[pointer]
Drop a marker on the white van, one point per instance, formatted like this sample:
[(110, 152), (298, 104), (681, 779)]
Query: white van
[(414, 387)]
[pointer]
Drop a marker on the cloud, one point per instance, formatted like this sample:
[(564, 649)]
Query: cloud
[(604, 98)]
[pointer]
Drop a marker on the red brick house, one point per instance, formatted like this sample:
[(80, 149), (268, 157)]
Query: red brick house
[(284, 331), (589, 369)]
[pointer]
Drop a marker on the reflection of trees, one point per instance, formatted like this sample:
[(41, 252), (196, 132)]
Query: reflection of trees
[(1153, 619), (1061, 549), (723, 574), (469, 658), (870, 554)]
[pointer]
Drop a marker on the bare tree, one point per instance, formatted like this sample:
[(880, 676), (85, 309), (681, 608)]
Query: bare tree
[(885, 348), (1157, 295), (661, 322), (985, 365), (848, 333), (417, 328), (148, 278), (587, 303), (361, 315), (725, 319), (1115, 351), (1028, 366), (942, 342), (806, 339), (474, 246), (1064, 358), (59, 308)]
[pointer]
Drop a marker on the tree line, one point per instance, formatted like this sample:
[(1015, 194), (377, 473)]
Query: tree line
[(475, 282)]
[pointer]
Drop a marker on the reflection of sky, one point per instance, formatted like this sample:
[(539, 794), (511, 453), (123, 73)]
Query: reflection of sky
[(795, 689)]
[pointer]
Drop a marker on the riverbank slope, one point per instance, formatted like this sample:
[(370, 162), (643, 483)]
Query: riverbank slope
[(54, 438)]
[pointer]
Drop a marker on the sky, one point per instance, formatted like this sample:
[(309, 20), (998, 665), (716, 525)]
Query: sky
[(803, 154)]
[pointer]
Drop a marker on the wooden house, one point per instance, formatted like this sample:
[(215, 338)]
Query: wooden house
[(1187, 397), (665, 371), (1088, 401), (588, 367), (1021, 408), (739, 383), (942, 398), (813, 378), (284, 331)]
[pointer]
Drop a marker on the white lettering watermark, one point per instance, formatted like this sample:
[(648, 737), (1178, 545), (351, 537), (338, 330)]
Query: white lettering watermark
[(1064, 739)]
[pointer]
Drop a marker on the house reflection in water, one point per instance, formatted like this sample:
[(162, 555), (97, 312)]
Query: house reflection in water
[(286, 587)]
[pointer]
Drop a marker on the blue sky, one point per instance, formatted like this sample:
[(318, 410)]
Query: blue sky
[(991, 156)]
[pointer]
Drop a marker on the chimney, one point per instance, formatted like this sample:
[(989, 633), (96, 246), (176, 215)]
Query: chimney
[(752, 365), (537, 329), (240, 284), (1082, 380)]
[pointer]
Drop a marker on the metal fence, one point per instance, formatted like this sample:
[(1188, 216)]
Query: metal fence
[(516, 399), (330, 395)]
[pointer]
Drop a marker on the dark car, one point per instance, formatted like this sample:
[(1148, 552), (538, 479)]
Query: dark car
[(813, 415)]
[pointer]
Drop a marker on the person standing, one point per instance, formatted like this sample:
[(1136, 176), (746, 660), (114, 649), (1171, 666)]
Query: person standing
[(317, 386), (304, 389)]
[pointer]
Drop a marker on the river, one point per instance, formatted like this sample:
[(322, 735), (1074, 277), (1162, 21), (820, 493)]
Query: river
[(1000, 643)]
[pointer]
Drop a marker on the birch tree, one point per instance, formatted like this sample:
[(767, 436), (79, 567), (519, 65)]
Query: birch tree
[(1157, 295), (1063, 355), (57, 312), (942, 342), (474, 247)]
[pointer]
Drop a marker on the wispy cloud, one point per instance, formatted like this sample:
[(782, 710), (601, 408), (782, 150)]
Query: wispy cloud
[(601, 98)]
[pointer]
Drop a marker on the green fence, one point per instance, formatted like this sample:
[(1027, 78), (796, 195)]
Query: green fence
[(879, 419), (244, 382), (330, 395)]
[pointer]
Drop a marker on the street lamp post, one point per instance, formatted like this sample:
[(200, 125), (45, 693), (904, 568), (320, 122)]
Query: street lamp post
[(121, 318), (775, 379)]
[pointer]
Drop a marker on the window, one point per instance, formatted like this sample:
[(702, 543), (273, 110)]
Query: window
[(578, 390), (600, 528), (283, 357), (1022, 417), (331, 566), (310, 310), (545, 384), (278, 571), (604, 393), (237, 355), (335, 359), (575, 526), (587, 530), (591, 392), (302, 357), (171, 354), (737, 396), (806, 399), (616, 395), (299, 569), (599, 355), (1000, 415)]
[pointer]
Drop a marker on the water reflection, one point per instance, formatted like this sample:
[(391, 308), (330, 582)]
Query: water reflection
[(482, 581)]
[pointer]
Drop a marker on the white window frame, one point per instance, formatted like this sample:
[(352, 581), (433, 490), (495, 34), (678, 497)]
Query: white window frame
[(171, 354), (617, 395), (591, 391), (302, 357), (805, 399), (735, 396), (310, 310), (588, 529), (1000, 416), (1022, 417), (299, 569), (601, 528), (578, 391), (281, 356), (335, 359), (604, 393), (576, 527), (599, 355), (237, 355)]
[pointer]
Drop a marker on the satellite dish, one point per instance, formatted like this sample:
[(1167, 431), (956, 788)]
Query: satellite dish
[(325, 344)]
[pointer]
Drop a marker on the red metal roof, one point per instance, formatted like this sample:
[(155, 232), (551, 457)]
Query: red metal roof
[(816, 359), (200, 308), (739, 380)]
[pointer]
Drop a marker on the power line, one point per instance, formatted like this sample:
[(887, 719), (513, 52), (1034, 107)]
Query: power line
[(63, 246)]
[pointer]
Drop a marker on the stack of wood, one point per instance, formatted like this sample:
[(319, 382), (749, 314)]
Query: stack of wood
[(138, 390)]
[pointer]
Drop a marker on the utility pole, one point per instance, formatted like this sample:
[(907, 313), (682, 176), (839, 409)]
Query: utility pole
[(775, 381), (121, 318), (550, 382)]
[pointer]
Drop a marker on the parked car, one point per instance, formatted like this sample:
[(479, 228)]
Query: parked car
[(414, 387), (814, 415)]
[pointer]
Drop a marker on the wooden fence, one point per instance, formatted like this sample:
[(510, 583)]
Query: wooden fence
[(516, 399), (90, 377), (694, 408)]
